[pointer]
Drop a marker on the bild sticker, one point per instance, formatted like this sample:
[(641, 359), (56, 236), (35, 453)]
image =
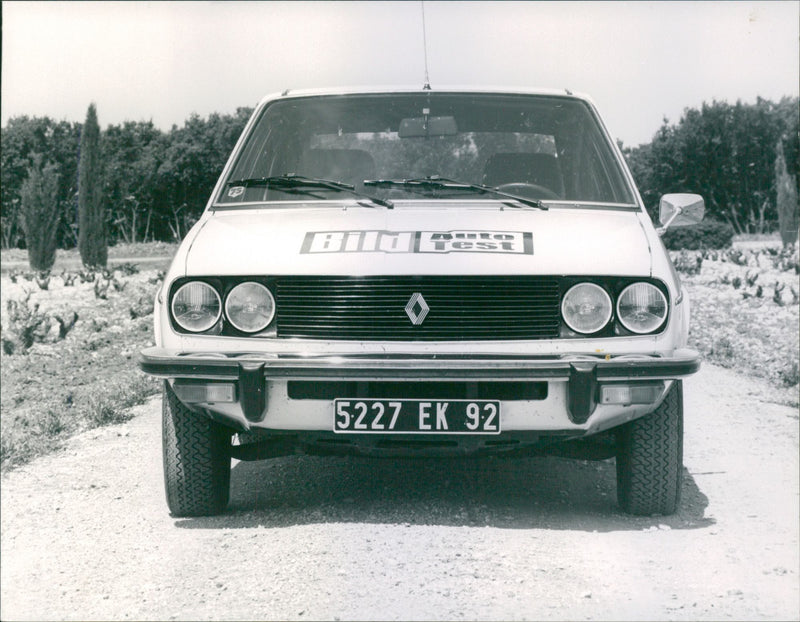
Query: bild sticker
[(508, 242)]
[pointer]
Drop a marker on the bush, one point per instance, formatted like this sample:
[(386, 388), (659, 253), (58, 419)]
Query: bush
[(708, 234), (39, 195), (688, 263), (790, 374), (29, 325)]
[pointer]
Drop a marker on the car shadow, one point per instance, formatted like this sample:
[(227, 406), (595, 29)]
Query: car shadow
[(538, 492)]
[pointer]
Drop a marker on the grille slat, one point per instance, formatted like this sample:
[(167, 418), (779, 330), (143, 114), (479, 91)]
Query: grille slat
[(369, 312), (460, 308)]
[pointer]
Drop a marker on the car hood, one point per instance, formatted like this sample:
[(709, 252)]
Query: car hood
[(419, 239)]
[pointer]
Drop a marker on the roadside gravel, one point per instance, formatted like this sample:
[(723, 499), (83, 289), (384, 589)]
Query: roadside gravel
[(86, 534)]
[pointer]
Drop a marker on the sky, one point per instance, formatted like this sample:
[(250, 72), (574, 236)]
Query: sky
[(641, 62)]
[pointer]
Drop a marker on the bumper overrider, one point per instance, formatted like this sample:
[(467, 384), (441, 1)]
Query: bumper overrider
[(592, 383)]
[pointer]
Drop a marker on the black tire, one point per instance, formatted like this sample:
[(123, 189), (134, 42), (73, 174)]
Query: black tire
[(650, 459), (197, 462)]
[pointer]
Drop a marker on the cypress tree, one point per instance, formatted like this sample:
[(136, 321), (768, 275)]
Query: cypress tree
[(92, 242), (39, 197), (788, 212)]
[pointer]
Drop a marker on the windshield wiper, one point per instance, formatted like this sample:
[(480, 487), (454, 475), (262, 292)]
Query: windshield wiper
[(434, 182), (300, 183)]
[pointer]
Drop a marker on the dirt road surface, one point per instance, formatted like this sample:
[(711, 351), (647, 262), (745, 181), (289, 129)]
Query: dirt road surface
[(86, 533)]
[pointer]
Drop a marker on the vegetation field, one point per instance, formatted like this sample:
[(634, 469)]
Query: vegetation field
[(70, 341), (745, 305), (69, 350)]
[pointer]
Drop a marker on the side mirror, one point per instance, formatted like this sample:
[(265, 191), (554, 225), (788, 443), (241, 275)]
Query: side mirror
[(680, 210)]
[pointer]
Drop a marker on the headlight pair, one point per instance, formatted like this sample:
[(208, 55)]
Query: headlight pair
[(641, 308), (197, 307)]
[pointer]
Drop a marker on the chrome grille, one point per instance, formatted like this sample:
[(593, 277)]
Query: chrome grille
[(461, 308)]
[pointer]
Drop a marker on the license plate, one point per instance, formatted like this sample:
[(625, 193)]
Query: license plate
[(416, 416)]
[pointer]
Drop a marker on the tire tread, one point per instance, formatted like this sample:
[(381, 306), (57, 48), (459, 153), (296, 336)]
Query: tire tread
[(196, 458), (650, 459)]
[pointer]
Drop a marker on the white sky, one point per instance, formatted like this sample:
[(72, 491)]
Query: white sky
[(161, 61)]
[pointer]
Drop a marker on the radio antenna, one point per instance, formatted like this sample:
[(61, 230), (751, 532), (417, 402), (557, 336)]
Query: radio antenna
[(427, 86)]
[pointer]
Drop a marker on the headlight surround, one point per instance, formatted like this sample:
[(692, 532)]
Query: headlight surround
[(642, 308), (586, 308), (196, 306), (250, 307)]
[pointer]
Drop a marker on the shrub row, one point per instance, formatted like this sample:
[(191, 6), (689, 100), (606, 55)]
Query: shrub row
[(709, 234)]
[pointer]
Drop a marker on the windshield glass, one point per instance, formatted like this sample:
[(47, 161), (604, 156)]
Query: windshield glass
[(539, 147)]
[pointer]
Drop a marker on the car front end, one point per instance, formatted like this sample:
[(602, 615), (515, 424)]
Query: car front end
[(416, 273)]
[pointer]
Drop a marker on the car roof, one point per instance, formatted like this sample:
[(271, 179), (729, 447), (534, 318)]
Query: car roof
[(292, 93)]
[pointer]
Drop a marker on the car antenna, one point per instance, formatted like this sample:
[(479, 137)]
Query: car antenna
[(427, 86)]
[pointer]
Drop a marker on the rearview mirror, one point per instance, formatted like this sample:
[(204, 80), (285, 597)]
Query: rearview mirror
[(413, 127), (680, 210)]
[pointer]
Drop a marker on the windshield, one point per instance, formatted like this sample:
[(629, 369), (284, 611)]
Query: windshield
[(538, 147)]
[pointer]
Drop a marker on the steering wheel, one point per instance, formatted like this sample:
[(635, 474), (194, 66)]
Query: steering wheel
[(528, 191)]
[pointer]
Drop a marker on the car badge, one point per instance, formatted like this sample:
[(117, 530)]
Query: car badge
[(417, 309)]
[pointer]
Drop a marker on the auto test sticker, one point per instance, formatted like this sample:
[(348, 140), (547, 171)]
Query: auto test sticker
[(510, 242)]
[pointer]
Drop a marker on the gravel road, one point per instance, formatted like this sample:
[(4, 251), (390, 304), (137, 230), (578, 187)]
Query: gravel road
[(86, 533)]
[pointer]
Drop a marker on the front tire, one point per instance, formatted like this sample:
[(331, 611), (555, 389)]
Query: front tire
[(650, 458), (197, 462)]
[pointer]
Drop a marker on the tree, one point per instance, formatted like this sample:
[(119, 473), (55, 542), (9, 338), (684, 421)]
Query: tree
[(92, 241), (153, 184), (192, 162), (132, 153), (57, 143), (788, 209), (725, 153), (40, 213)]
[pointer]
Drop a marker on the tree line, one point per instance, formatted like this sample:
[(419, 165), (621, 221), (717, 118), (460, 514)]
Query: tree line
[(153, 185), (742, 158)]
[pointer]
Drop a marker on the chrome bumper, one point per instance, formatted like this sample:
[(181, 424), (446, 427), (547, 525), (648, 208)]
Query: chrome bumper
[(170, 364), (583, 373)]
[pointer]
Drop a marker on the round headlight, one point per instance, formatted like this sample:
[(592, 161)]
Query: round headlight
[(642, 308), (586, 308), (250, 307), (196, 306)]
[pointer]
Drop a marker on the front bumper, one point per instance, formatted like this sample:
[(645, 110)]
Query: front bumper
[(580, 376)]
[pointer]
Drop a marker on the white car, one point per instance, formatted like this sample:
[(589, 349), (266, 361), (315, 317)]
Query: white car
[(424, 272)]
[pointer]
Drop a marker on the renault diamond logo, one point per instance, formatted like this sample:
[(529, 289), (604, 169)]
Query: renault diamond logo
[(417, 309)]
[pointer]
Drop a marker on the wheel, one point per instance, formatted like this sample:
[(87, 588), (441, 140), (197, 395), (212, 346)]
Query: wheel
[(650, 458), (528, 191), (197, 462)]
